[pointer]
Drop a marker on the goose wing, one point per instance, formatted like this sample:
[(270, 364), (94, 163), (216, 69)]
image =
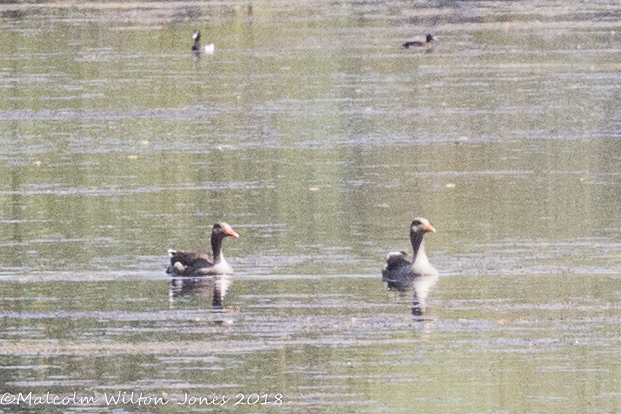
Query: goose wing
[(185, 264)]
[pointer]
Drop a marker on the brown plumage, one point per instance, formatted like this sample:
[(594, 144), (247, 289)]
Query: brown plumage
[(202, 263), (403, 273)]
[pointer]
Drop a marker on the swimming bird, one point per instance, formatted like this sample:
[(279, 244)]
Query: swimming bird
[(402, 273), (419, 43), (201, 263), (198, 48)]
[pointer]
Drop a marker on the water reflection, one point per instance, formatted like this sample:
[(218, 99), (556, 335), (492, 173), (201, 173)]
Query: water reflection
[(118, 144), (420, 286), (216, 287)]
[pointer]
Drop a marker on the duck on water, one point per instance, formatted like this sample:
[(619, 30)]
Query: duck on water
[(420, 43), (198, 48)]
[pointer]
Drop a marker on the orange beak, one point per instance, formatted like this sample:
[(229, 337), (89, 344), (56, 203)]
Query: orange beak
[(430, 228), (234, 234)]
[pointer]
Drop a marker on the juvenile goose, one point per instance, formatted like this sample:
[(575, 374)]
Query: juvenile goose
[(200, 263), (401, 273)]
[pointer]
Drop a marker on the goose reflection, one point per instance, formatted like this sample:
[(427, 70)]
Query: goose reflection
[(216, 287), (403, 274)]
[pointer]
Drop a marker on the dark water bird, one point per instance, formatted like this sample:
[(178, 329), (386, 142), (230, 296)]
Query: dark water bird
[(198, 48), (403, 273), (419, 43), (201, 263)]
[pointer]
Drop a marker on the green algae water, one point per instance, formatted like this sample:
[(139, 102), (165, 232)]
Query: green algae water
[(318, 137)]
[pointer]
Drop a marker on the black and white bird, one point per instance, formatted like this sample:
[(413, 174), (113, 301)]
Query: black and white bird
[(198, 48)]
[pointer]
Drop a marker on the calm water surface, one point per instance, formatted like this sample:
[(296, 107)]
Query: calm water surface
[(318, 138)]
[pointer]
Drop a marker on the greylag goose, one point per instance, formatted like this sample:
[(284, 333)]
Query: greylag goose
[(402, 273), (200, 263)]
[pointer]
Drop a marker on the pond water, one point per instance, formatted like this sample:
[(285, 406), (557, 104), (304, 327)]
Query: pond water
[(318, 138)]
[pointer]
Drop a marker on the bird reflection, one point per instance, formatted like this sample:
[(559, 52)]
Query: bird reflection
[(216, 286), (419, 285)]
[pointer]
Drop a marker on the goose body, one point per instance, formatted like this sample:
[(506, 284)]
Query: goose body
[(402, 272), (202, 263)]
